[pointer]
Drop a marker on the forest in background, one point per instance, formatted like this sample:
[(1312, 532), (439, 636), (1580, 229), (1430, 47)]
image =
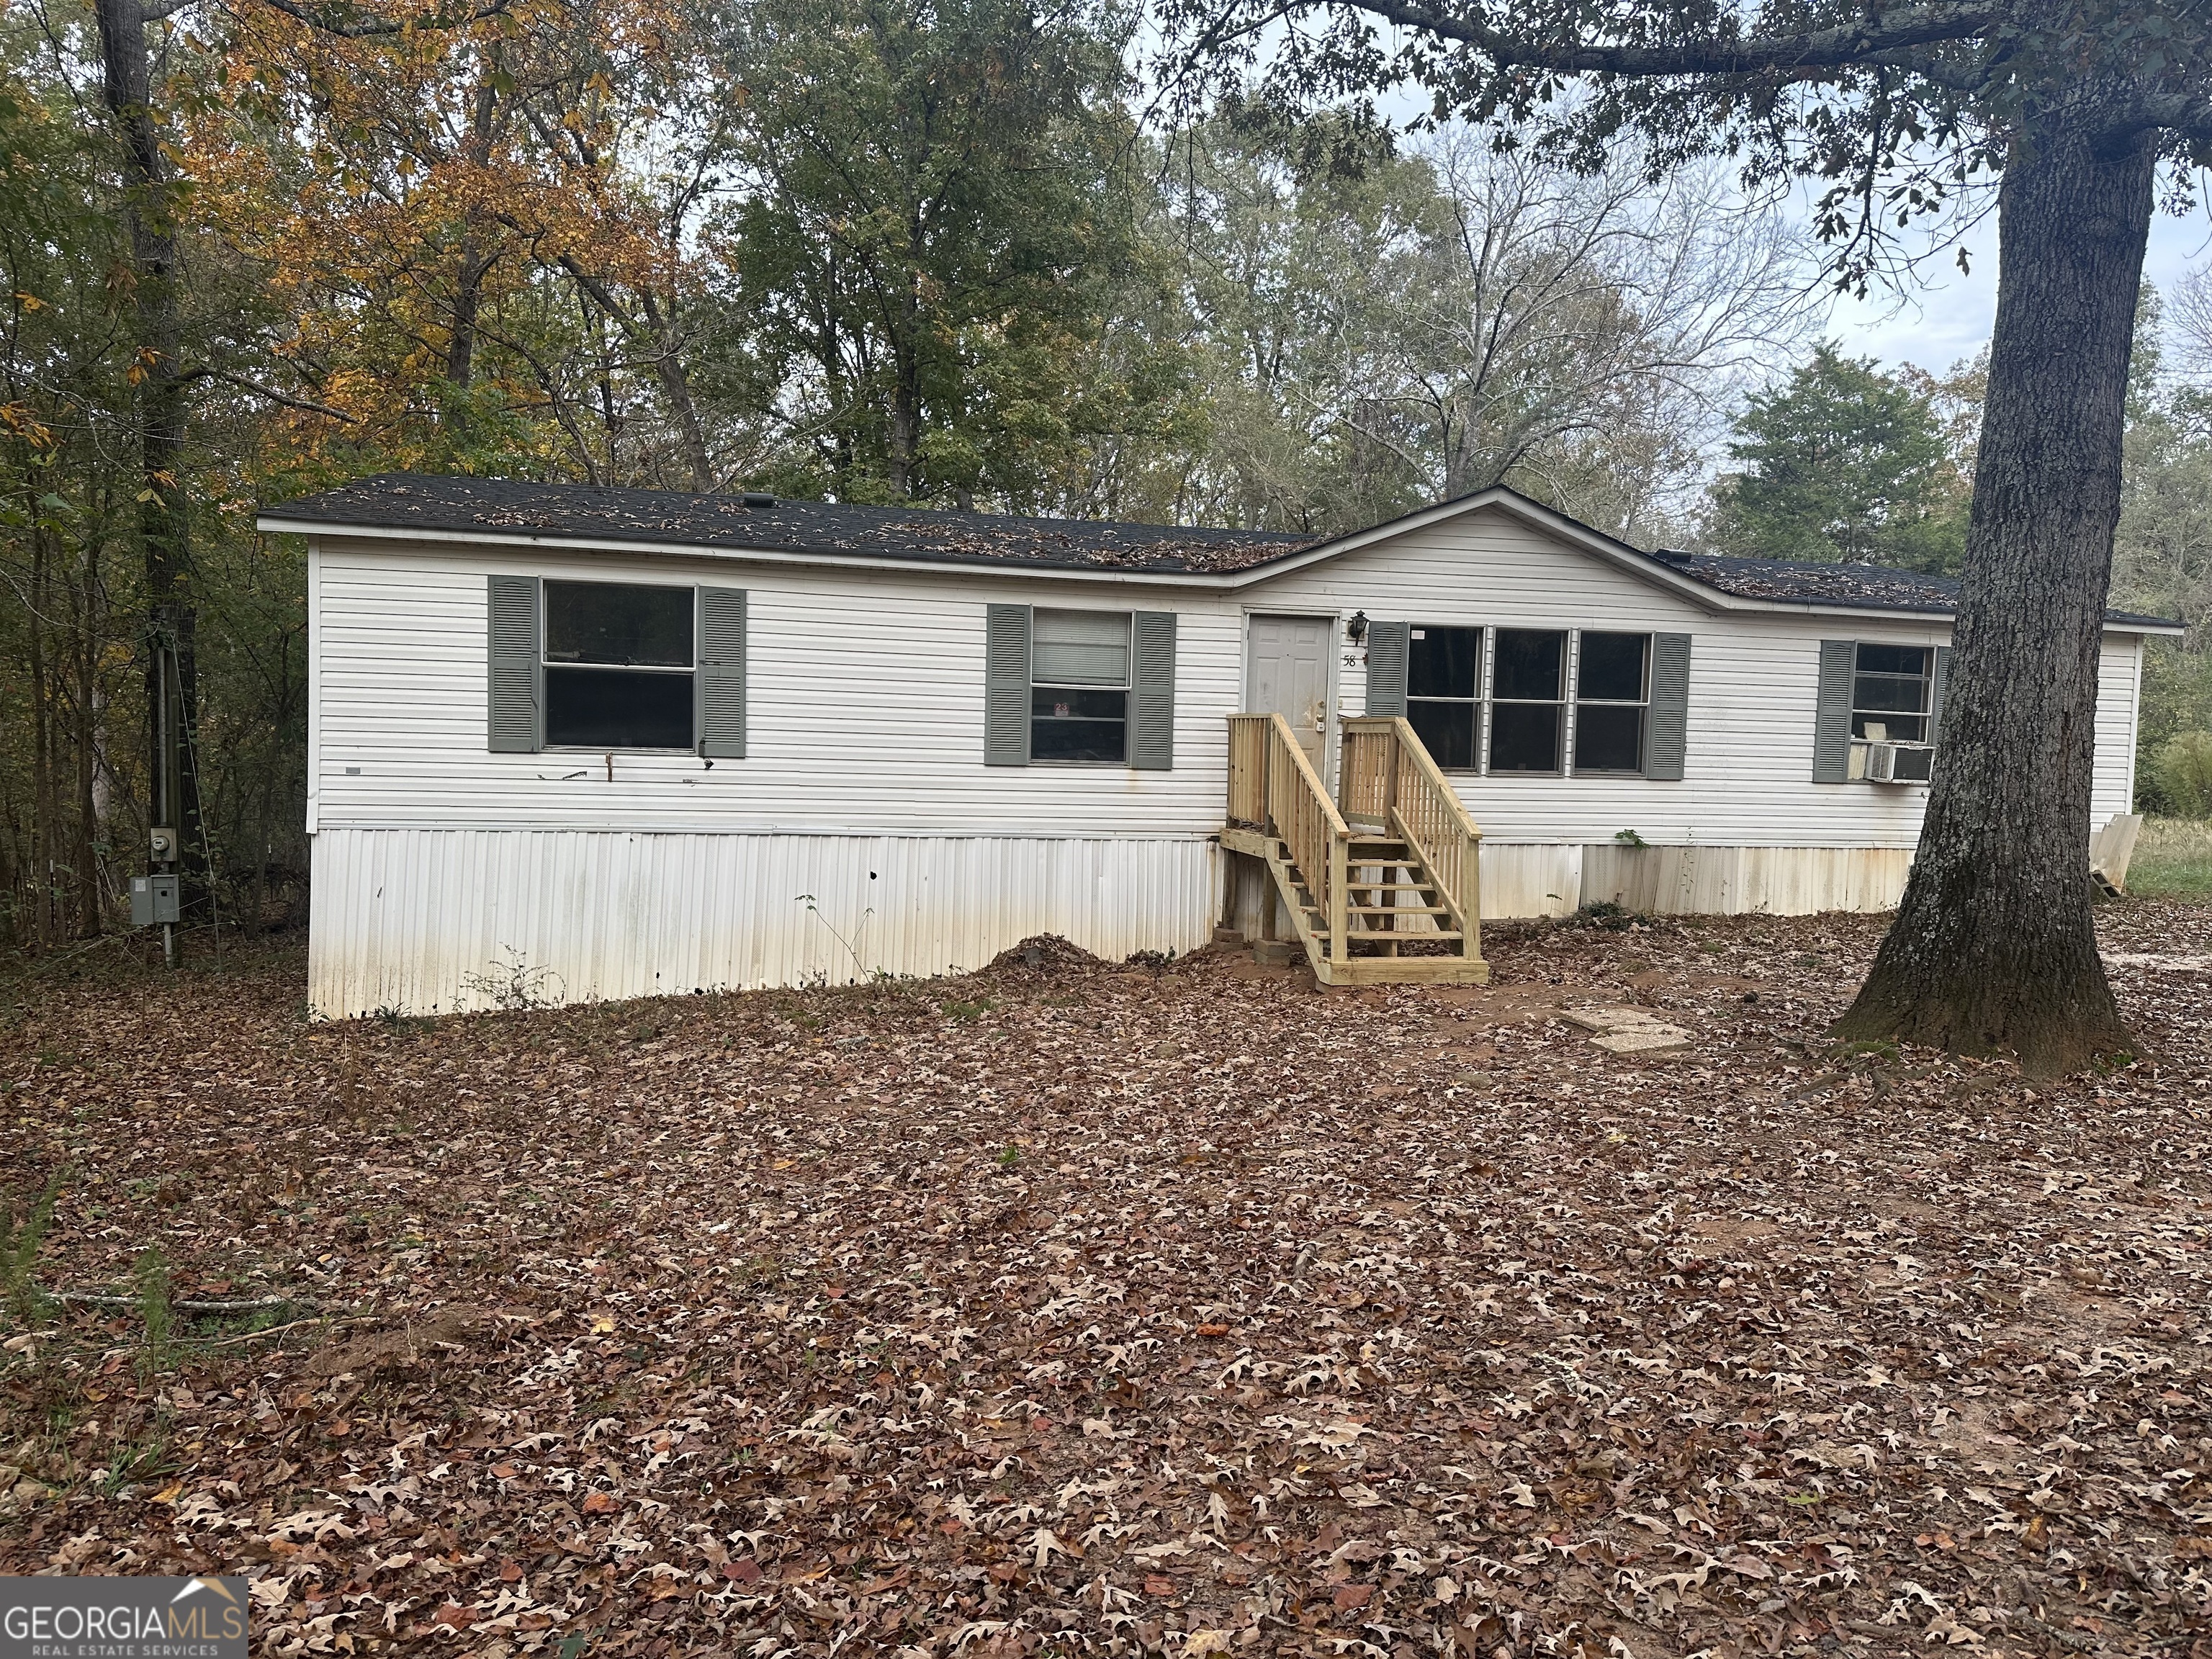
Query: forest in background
[(955, 255)]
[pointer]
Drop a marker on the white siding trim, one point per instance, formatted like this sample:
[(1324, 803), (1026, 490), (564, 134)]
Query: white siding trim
[(315, 683)]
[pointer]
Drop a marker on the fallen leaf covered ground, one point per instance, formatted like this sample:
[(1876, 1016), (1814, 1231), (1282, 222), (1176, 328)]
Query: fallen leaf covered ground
[(1073, 1309)]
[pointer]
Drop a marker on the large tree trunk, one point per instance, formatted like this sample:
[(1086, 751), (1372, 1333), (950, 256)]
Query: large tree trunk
[(1993, 949), (164, 520)]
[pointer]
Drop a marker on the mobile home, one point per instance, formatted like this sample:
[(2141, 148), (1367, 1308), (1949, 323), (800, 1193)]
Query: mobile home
[(609, 743)]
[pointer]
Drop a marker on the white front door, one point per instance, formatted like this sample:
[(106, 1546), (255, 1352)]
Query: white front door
[(1286, 673)]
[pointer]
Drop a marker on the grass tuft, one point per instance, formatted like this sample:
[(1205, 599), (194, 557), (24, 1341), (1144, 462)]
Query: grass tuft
[(2172, 860), (19, 1251), (157, 1309)]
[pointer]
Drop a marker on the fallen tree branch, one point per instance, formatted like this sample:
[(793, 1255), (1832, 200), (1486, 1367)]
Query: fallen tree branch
[(98, 1300), (255, 1336)]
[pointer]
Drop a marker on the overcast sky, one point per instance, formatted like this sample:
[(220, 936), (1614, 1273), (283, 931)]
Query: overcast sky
[(1947, 319)]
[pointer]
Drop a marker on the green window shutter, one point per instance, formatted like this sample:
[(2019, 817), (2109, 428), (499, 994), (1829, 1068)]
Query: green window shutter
[(1007, 685), (1936, 690), (1151, 724), (719, 698), (516, 677), (1831, 725), (1667, 735), (1389, 644)]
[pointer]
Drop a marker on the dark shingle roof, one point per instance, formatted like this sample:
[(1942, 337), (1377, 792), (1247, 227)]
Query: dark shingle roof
[(574, 511), (569, 512), (1867, 586)]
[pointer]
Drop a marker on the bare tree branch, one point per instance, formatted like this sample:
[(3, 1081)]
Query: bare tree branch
[(308, 405), (1867, 42), (378, 27)]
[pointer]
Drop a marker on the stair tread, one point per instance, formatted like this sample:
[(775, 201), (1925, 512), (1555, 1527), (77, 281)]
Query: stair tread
[(1387, 909)]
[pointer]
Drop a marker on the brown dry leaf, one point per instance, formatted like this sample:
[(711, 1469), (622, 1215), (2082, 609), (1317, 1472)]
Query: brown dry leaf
[(768, 1345)]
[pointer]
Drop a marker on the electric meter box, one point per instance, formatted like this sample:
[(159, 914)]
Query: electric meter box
[(153, 901)]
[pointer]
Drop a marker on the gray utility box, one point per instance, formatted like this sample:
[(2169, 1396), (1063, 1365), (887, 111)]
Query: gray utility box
[(153, 900)]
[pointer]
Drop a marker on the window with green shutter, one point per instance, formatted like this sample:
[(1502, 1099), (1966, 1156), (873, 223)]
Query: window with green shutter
[(1080, 688), (619, 660)]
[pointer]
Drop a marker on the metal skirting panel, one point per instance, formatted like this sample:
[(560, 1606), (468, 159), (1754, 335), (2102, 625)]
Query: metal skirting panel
[(1531, 880), (443, 920), (1528, 878)]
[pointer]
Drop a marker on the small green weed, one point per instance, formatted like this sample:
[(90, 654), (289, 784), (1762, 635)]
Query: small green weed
[(20, 1238), (157, 1311)]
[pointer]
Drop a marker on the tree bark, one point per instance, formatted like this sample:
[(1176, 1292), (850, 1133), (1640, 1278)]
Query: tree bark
[(1993, 949), (164, 523), (676, 387), (475, 264)]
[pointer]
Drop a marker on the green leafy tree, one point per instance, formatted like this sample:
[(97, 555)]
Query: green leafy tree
[(930, 228), (1842, 462)]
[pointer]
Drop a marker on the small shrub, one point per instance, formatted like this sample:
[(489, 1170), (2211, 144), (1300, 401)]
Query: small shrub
[(515, 986), (2181, 772)]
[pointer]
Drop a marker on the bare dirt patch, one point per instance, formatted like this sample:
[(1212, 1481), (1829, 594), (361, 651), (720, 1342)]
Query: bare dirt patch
[(1073, 1308)]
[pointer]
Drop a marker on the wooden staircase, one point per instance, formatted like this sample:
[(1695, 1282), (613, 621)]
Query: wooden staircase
[(1382, 888)]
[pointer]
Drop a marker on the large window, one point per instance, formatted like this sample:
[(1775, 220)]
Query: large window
[(1499, 700), (1079, 686), (1443, 693), (1613, 693), (1892, 694), (1528, 708), (618, 667)]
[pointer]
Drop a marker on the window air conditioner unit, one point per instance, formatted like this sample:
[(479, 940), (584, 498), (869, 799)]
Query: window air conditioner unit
[(1898, 763)]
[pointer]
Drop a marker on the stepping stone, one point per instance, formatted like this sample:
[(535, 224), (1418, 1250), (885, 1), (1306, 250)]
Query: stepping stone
[(1627, 1030)]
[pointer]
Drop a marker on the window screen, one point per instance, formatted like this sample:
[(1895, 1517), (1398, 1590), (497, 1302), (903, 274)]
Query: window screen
[(1889, 693), (1528, 700), (619, 670), (1612, 692), (1079, 686), (1443, 684)]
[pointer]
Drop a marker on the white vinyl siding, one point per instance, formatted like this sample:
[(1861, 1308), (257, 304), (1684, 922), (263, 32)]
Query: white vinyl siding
[(1754, 682), (865, 702), (864, 708)]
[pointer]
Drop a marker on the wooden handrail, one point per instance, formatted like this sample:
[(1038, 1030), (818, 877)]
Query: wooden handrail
[(1272, 784), (1390, 778)]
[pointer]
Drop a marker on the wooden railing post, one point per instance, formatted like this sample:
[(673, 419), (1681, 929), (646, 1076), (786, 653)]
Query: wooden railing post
[(1470, 895), (1340, 915)]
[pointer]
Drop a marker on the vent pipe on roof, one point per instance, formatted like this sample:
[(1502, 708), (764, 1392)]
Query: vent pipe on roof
[(757, 498), (1670, 556)]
